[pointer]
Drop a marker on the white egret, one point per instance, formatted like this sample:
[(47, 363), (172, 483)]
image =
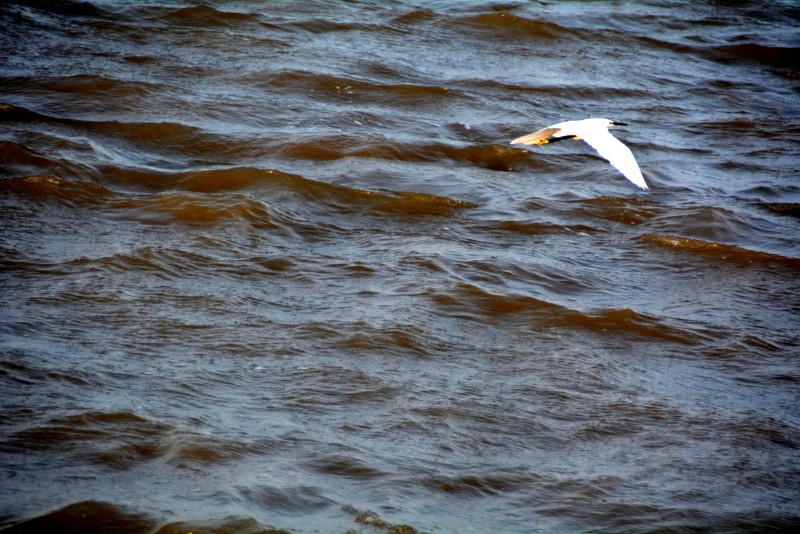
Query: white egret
[(595, 133)]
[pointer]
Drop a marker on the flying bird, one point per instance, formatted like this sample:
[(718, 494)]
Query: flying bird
[(595, 133)]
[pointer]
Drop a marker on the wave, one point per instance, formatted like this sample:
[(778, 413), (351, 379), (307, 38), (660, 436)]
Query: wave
[(171, 139), (320, 26), (66, 8), (204, 180), (99, 517), (160, 208), (711, 223), (782, 208), (169, 207), (156, 137), (782, 58), (238, 178), (19, 114), (340, 88), (337, 196), (122, 440), (78, 433), (490, 156), (719, 251), (538, 228), (165, 263), (217, 195), (478, 486), (344, 466), (295, 499), (774, 129), (409, 203), (18, 160), (400, 339), (415, 16), (472, 302), (630, 211), (204, 16), (46, 187), (89, 85), (168, 139), (567, 91), (91, 517), (505, 25)]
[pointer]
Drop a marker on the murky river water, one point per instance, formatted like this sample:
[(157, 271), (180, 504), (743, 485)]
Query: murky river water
[(274, 265)]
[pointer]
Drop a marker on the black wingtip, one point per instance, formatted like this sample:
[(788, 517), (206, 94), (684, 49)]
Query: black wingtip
[(614, 123), (562, 138)]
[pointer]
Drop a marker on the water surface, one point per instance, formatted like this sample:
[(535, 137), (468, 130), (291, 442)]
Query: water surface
[(273, 265)]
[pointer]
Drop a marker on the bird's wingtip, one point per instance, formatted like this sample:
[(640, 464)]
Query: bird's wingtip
[(639, 182)]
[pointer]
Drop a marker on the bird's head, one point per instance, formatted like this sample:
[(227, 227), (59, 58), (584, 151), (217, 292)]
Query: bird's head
[(602, 123)]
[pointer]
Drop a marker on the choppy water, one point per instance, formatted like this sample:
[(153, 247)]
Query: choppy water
[(273, 265)]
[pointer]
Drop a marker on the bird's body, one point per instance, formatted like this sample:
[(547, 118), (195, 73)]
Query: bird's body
[(595, 133)]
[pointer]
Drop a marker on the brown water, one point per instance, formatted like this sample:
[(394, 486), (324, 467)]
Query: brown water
[(273, 265)]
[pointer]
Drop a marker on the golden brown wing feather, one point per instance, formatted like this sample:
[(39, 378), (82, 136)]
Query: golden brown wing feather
[(539, 137)]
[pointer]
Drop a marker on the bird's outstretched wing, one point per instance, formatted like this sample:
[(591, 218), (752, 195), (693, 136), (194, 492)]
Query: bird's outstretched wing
[(619, 155), (539, 137)]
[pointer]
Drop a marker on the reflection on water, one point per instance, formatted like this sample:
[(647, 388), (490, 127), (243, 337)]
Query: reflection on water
[(273, 267)]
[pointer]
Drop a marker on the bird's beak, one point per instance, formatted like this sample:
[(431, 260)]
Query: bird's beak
[(619, 123)]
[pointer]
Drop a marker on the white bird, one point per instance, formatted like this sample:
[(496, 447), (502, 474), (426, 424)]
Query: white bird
[(595, 133)]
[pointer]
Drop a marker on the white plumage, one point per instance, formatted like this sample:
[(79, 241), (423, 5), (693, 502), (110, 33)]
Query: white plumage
[(595, 133)]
